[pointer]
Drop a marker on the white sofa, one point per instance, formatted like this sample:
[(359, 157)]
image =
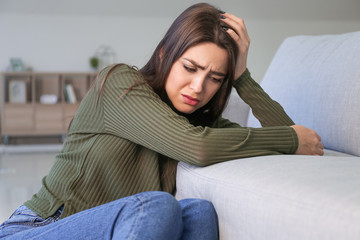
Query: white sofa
[(317, 80)]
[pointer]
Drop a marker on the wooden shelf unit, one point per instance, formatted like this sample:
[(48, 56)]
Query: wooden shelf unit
[(24, 113)]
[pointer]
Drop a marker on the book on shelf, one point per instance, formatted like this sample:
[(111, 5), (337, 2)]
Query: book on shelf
[(70, 95)]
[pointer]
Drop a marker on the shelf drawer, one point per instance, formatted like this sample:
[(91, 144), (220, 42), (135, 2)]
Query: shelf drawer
[(18, 118), (49, 118)]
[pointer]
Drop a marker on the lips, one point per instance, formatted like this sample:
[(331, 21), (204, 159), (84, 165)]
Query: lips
[(190, 100)]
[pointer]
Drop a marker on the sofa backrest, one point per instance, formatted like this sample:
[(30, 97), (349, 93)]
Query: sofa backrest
[(317, 81), (236, 110)]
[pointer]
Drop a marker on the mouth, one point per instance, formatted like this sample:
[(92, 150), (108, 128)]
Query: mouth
[(190, 100)]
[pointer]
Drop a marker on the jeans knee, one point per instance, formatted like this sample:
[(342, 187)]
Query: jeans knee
[(163, 212), (198, 204), (205, 205), (200, 207), (200, 219), (161, 204), (166, 204)]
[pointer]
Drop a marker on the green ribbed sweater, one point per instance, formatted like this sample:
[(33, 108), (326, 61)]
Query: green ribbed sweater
[(113, 145)]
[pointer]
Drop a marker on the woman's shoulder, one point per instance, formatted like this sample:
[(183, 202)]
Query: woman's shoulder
[(122, 69), (121, 75), (126, 79)]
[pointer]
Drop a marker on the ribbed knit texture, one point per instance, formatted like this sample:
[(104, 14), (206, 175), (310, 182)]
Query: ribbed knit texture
[(114, 145)]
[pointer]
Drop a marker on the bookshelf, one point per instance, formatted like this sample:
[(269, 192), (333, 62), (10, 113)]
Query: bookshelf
[(40, 103)]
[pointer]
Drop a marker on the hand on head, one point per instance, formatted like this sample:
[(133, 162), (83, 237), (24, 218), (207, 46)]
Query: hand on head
[(240, 35), (309, 141)]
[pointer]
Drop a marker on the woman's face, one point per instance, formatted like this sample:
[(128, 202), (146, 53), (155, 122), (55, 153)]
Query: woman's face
[(196, 76)]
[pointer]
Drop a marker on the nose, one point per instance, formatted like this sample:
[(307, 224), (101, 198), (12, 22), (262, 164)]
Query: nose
[(197, 84)]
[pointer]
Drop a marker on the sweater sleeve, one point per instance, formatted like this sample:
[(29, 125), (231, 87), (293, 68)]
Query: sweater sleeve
[(140, 116), (265, 109)]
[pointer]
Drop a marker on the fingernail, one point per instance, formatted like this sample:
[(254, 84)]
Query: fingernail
[(221, 12), (225, 28), (222, 17)]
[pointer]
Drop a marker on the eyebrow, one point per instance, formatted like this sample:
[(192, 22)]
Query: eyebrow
[(203, 68)]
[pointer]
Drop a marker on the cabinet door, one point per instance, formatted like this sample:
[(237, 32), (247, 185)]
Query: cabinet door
[(18, 119), (49, 118)]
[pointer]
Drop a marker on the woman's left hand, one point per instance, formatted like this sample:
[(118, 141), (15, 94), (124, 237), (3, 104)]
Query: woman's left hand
[(239, 33)]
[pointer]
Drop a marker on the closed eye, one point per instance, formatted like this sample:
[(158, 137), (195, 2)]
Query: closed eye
[(189, 69), (216, 79)]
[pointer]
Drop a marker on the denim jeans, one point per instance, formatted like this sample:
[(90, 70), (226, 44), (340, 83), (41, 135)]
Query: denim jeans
[(147, 215)]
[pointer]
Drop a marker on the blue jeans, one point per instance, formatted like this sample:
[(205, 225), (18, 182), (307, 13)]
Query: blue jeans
[(147, 215)]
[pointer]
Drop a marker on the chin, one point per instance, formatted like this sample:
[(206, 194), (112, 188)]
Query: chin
[(186, 110)]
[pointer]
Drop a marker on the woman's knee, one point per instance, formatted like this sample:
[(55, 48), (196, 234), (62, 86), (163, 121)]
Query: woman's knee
[(199, 211), (199, 219), (162, 203), (197, 205), (152, 215)]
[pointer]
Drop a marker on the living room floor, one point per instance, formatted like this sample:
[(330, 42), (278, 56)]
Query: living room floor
[(21, 169)]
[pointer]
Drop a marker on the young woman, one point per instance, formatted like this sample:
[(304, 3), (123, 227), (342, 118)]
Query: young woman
[(116, 173)]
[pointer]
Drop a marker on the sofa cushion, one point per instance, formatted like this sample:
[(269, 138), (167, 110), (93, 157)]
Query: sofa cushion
[(317, 81), (279, 197)]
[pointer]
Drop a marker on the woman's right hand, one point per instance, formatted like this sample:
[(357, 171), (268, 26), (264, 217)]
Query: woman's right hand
[(239, 33), (309, 141)]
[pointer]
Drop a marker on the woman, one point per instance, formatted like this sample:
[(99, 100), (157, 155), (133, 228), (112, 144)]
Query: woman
[(118, 165)]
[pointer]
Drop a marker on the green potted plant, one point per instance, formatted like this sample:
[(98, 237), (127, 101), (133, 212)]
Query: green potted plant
[(94, 62)]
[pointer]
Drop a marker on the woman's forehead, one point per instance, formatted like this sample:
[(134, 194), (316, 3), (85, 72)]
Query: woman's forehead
[(207, 55)]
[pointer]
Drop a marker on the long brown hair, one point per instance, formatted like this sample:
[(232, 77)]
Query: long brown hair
[(197, 24)]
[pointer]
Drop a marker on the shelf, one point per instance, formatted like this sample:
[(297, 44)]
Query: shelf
[(41, 103)]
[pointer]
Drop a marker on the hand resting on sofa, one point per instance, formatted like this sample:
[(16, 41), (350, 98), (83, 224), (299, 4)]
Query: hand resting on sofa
[(309, 141)]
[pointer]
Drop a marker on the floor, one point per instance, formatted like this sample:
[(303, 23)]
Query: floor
[(21, 169)]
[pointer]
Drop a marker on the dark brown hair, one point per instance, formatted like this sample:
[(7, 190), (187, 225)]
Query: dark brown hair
[(197, 24)]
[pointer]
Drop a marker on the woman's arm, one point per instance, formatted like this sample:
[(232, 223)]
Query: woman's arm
[(265, 109), (143, 118), (308, 140)]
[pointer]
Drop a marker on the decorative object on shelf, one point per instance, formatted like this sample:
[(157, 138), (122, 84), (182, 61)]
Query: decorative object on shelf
[(106, 56), (17, 91), (70, 95), (48, 99), (94, 63), (17, 65)]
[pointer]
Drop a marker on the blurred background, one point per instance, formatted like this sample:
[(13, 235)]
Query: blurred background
[(49, 35)]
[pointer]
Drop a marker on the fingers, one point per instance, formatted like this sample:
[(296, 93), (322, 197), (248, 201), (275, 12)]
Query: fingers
[(320, 149), (238, 29), (309, 141)]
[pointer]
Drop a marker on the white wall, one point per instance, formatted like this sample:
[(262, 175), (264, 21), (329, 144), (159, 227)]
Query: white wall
[(266, 37), (64, 42)]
